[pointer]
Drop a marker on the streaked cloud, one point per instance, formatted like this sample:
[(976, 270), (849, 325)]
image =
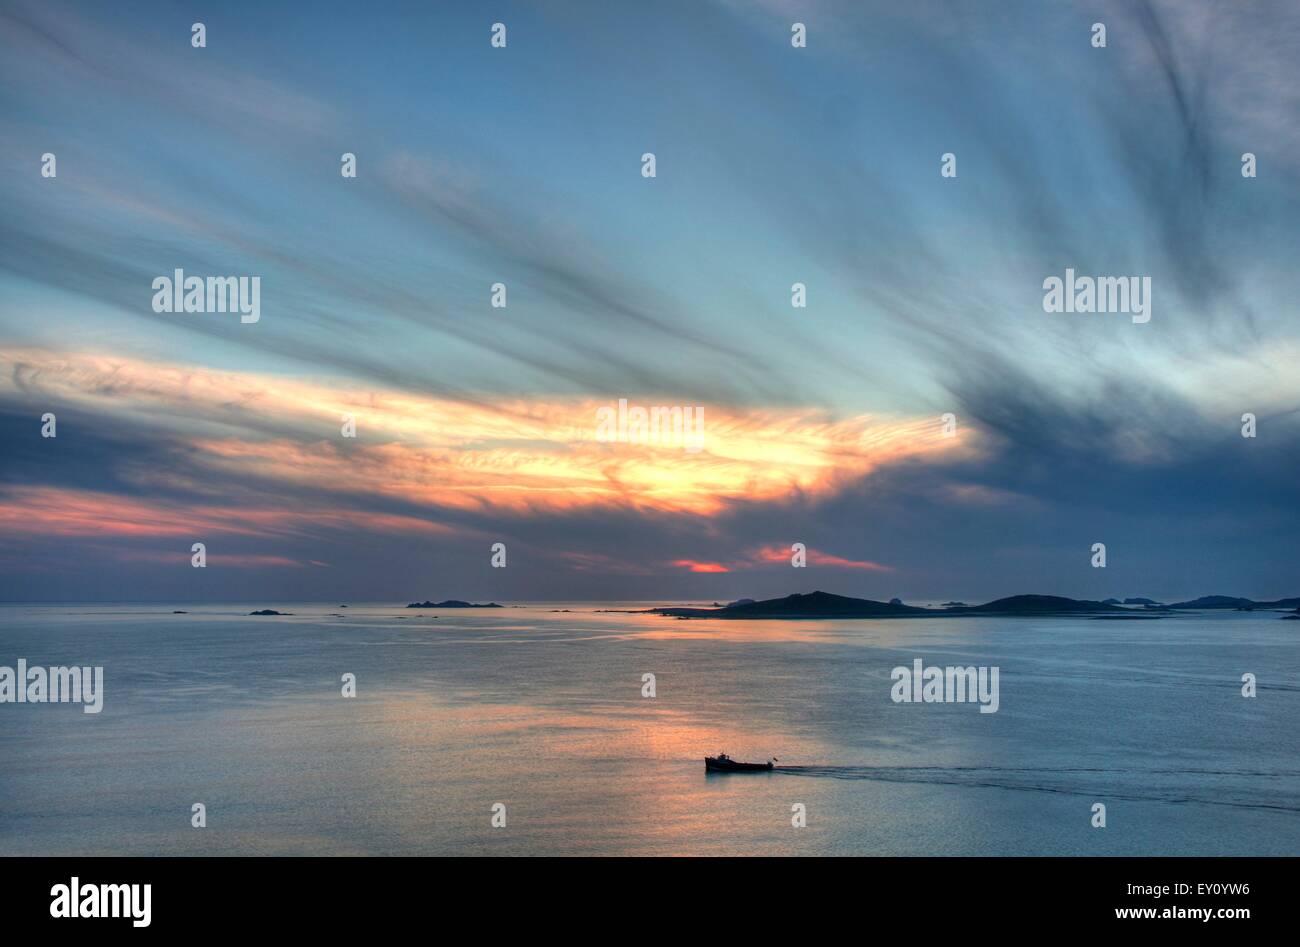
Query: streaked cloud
[(781, 554), (517, 455), (86, 514), (477, 424)]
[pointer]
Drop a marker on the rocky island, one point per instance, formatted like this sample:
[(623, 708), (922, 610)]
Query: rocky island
[(826, 605)]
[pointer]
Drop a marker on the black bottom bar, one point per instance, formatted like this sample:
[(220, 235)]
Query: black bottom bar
[(304, 896)]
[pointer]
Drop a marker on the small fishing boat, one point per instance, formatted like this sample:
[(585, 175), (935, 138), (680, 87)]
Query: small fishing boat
[(722, 763)]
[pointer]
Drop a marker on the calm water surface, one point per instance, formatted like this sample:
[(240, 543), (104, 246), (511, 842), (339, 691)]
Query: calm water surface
[(542, 710)]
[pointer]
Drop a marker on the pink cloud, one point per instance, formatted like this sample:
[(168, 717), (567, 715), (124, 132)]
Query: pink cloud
[(695, 566), (783, 554)]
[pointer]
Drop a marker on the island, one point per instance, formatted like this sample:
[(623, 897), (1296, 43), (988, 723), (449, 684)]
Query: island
[(1039, 605), (827, 605), (812, 605), (1228, 601)]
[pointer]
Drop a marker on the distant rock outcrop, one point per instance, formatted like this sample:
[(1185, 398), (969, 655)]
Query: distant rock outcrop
[(270, 611)]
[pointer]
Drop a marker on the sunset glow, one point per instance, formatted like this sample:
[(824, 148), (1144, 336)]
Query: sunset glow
[(437, 453)]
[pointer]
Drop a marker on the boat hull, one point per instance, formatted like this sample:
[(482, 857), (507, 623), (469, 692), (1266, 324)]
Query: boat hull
[(713, 765)]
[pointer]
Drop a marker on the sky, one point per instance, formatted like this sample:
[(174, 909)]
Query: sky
[(523, 165)]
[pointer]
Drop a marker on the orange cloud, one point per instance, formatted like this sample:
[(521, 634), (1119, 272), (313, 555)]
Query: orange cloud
[(522, 456), (700, 566), (54, 511)]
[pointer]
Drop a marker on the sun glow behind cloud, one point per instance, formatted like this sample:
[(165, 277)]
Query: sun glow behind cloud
[(526, 457)]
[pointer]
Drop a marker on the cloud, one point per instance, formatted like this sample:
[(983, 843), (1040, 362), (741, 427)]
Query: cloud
[(821, 424), (778, 555), (216, 560), (511, 455), (782, 554), (694, 566), (63, 50), (30, 510)]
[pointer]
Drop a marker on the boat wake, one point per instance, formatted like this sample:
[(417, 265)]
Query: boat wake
[(1244, 789)]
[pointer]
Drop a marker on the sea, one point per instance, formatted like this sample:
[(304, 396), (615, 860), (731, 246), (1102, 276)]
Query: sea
[(581, 729)]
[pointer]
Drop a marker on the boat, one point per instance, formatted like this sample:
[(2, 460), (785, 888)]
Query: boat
[(722, 763)]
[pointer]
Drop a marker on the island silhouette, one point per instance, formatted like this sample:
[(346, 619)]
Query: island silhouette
[(827, 605)]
